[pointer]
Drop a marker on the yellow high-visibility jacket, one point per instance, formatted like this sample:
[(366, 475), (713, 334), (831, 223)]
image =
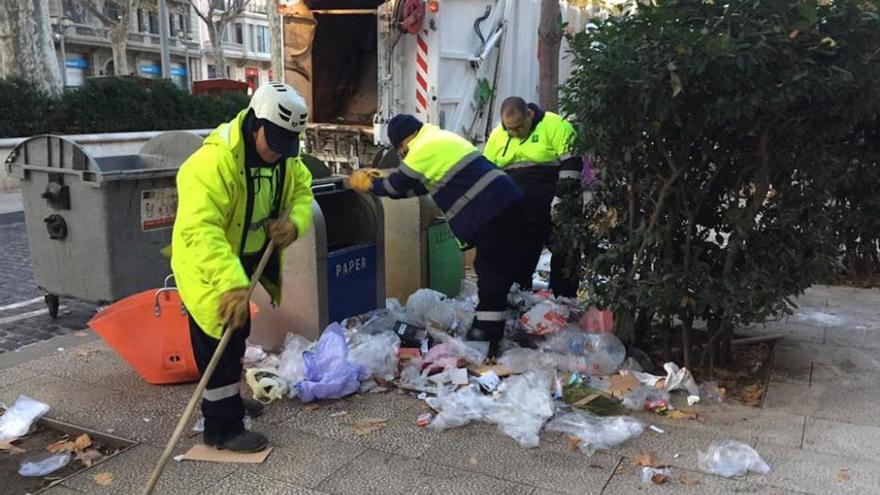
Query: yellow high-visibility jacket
[(209, 227)]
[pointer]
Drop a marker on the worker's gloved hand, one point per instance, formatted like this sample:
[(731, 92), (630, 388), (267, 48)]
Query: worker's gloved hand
[(283, 232), (234, 307), (566, 190), (361, 180)]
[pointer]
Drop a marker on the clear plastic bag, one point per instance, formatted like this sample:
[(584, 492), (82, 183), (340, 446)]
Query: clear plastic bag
[(266, 385), (376, 353), (596, 432), (601, 353), (292, 366), (427, 307), (731, 458), (382, 320), (17, 420), (519, 360), (458, 408), (649, 473), (328, 372), (522, 407), (639, 399), (46, 465)]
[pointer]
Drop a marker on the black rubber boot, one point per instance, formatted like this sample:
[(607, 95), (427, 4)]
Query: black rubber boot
[(491, 332), (253, 407), (244, 441)]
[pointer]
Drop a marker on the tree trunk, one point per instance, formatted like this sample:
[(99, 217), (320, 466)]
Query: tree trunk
[(27, 47), (217, 50), (275, 27), (119, 46), (549, 43)]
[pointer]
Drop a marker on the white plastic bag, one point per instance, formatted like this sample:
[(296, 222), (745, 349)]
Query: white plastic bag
[(545, 318), (731, 458), (522, 407), (266, 385), (292, 368), (596, 432), (44, 466), (458, 408), (427, 307), (17, 420), (376, 353)]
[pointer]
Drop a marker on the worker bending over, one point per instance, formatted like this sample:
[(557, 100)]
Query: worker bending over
[(230, 195), (535, 148), (479, 200)]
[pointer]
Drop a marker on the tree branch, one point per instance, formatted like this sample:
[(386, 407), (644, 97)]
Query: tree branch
[(92, 7), (203, 16)]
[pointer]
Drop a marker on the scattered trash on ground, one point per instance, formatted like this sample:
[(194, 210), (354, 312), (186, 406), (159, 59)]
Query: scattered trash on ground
[(731, 458), (103, 478), (367, 426), (596, 432), (44, 464), (204, 453), (657, 476), (17, 420), (266, 385)]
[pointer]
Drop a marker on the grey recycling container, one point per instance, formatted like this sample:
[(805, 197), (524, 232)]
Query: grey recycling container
[(334, 271), (96, 225)]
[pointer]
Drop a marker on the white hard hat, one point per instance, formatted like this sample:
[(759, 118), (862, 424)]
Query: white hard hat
[(284, 115), (281, 105)]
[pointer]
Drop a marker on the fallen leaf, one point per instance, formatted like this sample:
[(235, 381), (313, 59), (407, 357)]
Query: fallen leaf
[(574, 443), (675, 82), (751, 395), (88, 457), (473, 461), (679, 414), (82, 442), (842, 474), (103, 479), (312, 407), (12, 449), (648, 459), (367, 426), (620, 385), (659, 479), (688, 481), (60, 446), (794, 34)]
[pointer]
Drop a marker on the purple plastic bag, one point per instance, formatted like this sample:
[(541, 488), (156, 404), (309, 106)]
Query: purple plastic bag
[(329, 373)]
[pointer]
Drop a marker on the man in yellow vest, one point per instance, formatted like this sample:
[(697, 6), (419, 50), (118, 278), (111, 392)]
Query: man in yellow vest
[(230, 195), (479, 200), (535, 147)]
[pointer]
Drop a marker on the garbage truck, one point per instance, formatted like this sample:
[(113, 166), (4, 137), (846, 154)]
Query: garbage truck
[(448, 62)]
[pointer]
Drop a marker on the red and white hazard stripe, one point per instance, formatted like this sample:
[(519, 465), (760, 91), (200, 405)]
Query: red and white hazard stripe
[(421, 73)]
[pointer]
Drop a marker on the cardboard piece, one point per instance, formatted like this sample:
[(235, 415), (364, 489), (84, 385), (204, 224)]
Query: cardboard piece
[(201, 452), (499, 370), (622, 384)]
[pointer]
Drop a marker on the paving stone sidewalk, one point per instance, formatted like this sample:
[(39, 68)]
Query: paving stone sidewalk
[(819, 427)]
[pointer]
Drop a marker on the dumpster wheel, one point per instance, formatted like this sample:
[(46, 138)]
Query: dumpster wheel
[(52, 304)]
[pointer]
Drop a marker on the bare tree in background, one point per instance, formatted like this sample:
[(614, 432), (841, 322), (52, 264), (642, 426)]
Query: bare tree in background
[(115, 16), (217, 17), (275, 27), (27, 48), (549, 43)]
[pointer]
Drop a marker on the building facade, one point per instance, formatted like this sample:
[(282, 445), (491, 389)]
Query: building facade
[(83, 44), (246, 46)]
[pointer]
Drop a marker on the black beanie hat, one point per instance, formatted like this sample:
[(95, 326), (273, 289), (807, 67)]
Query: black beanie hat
[(401, 126)]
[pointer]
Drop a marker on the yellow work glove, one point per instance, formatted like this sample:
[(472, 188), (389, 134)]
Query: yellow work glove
[(234, 308), (283, 232), (361, 180)]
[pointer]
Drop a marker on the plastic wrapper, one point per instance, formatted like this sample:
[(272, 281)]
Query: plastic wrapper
[(545, 318), (328, 372), (731, 458), (596, 320), (681, 378), (596, 432), (711, 392), (382, 320), (266, 385), (427, 307), (45, 466), (652, 475), (520, 407), (472, 351), (602, 353), (412, 375), (292, 366), (646, 398), (253, 354), (376, 353), (17, 420)]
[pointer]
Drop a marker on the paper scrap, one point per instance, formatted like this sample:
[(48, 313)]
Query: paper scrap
[(103, 478)]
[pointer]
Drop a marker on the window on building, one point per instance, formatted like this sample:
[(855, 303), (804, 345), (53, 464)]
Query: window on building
[(111, 10), (212, 71), (181, 21), (262, 40), (141, 19), (153, 23), (252, 41), (75, 12), (172, 29), (224, 35), (239, 33)]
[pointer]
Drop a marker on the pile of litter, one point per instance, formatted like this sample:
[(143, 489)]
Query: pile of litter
[(561, 369)]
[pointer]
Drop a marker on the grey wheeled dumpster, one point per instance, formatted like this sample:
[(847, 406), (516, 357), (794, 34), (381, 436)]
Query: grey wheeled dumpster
[(333, 271), (96, 225)]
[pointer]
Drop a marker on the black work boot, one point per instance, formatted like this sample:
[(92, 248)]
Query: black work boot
[(244, 441), (487, 331), (253, 407)]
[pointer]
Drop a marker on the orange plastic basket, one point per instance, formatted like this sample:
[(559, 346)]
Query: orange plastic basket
[(150, 330)]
